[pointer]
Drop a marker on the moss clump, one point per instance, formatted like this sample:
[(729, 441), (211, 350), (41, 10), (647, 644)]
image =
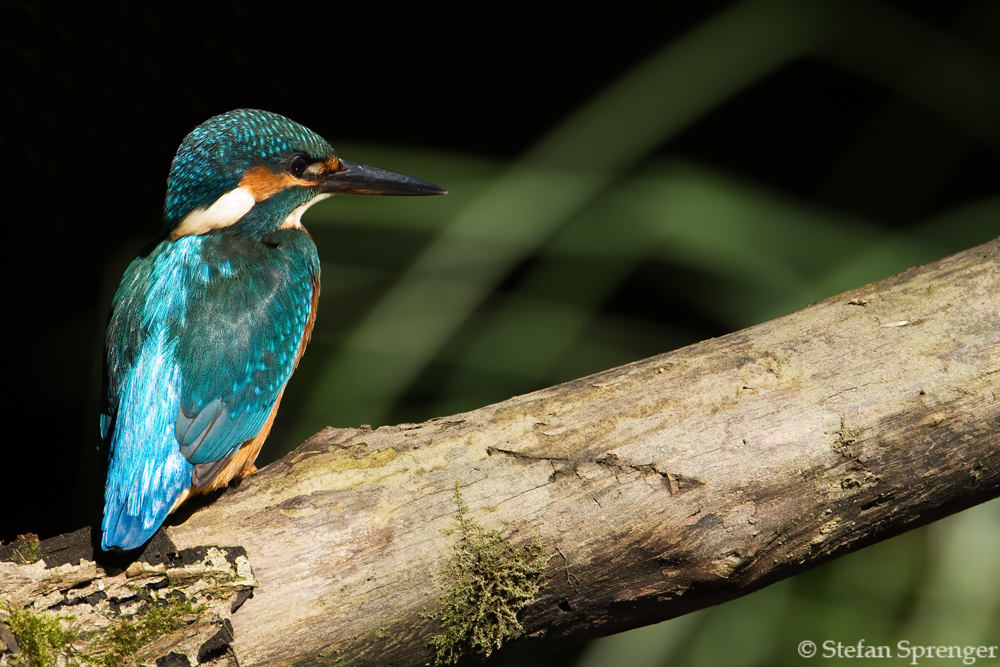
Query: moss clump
[(492, 581), (155, 619), (25, 551), (41, 638)]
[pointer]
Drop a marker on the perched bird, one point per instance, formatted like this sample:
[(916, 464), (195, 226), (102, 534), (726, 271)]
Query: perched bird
[(206, 328)]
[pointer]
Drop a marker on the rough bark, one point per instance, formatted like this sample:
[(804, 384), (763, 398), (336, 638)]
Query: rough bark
[(654, 489)]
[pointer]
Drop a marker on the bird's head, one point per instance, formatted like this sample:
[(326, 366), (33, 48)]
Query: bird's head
[(252, 172)]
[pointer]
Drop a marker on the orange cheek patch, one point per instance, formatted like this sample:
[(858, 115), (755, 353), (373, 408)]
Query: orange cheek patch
[(262, 183)]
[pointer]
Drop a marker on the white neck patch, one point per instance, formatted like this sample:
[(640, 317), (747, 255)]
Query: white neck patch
[(226, 211), (294, 218)]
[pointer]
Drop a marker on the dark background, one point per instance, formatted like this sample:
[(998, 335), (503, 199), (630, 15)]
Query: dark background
[(96, 99)]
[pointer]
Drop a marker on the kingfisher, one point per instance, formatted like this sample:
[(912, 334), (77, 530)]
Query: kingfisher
[(208, 326)]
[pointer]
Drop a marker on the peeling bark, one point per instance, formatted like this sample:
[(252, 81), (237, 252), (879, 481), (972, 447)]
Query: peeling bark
[(656, 488)]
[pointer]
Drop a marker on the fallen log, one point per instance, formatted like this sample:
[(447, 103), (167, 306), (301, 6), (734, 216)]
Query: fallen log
[(617, 500)]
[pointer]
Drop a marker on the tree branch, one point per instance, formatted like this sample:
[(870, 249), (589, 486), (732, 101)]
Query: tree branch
[(654, 489)]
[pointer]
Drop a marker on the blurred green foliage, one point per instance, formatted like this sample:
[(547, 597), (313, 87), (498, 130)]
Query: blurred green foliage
[(511, 282)]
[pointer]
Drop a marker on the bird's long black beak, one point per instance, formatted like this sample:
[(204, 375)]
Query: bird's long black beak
[(359, 179)]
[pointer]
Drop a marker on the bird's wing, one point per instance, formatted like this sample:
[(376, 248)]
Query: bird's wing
[(247, 308), (146, 472), (203, 336), (205, 332)]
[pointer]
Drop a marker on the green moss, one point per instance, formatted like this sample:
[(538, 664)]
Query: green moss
[(41, 638), (26, 552), (491, 581), (156, 618)]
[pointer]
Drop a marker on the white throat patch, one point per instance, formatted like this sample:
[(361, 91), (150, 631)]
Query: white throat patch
[(294, 218)]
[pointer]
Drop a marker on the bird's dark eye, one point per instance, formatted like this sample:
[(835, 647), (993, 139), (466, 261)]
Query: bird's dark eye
[(297, 166)]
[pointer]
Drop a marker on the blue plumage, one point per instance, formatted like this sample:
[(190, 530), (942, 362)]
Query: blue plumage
[(207, 328)]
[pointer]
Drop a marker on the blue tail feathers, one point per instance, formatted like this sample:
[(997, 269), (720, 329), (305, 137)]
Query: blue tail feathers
[(146, 471), (133, 513)]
